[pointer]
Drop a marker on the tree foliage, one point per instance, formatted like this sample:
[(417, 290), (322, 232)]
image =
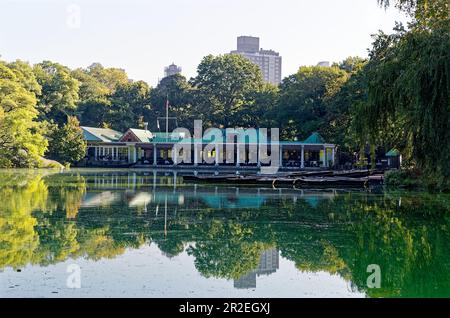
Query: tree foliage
[(426, 13), (178, 92), (408, 104), (67, 144), (223, 88), (21, 137), (59, 95), (305, 101), (128, 103)]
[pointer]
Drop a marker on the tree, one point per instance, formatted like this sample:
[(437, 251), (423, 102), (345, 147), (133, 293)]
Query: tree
[(67, 144), (305, 100), (178, 91), (97, 84), (223, 88), (59, 95), (261, 111), (21, 138), (408, 83), (426, 13), (110, 77), (89, 87), (128, 105), (94, 112), (344, 104)]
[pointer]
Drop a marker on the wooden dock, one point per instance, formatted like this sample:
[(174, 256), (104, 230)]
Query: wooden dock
[(304, 179)]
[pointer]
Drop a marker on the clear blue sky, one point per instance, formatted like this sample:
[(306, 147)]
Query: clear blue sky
[(144, 36)]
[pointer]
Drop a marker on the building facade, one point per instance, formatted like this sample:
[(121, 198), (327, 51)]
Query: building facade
[(139, 147), (324, 64), (172, 69), (268, 61)]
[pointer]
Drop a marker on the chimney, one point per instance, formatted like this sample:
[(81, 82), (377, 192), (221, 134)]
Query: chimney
[(145, 126)]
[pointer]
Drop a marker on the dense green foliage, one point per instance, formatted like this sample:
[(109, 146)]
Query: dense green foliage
[(21, 140), (408, 83), (47, 219), (67, 144), (397, 98), (224, 87), (306, 99)]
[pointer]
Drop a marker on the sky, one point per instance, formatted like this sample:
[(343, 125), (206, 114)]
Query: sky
[(144, 36)]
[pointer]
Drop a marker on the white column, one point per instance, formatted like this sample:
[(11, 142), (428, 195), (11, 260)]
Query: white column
[(302, 159), (332, 155), (195, 154), (134, 154), (258, 156), (281, 155), (216, 149), (174, 181), (95, 153), (325, 163), (155, 155), (174, 155), (238, 159)]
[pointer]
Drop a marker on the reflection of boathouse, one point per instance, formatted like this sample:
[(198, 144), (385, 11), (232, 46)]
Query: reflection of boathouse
[(268, 264), (148, 189)]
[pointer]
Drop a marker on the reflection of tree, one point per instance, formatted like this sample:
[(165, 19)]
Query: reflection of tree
[(48, 235), (97, 244), (18, 240), (66, 193), (41, 222), (170, 244), (412, 254), (227, 250)]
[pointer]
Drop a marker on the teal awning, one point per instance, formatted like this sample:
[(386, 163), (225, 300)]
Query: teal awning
[(315, 138), (393, 153)]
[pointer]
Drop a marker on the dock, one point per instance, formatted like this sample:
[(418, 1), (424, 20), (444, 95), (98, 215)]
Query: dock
[(300, 179)]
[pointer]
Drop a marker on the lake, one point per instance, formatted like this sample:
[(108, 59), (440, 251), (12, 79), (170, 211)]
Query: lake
[(136, 233)]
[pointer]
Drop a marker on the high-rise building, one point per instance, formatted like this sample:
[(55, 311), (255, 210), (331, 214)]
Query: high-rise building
[(324, 63), (172, 69), (268, 61), (269, 263)]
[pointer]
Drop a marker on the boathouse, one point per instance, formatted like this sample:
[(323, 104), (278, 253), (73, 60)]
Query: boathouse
[(141, 147)]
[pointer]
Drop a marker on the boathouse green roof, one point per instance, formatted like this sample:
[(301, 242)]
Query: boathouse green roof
[(393, 153), (142, 134), (145, 136), (315, 138), (100, 134)]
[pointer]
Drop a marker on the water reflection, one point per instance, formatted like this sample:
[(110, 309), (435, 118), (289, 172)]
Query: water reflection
[(269, 262), (238, 234)]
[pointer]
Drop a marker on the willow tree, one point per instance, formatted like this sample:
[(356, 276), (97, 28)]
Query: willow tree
[(408, 79), (425, 13)]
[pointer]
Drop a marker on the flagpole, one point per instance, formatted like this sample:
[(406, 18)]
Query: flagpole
[(167, 117)]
